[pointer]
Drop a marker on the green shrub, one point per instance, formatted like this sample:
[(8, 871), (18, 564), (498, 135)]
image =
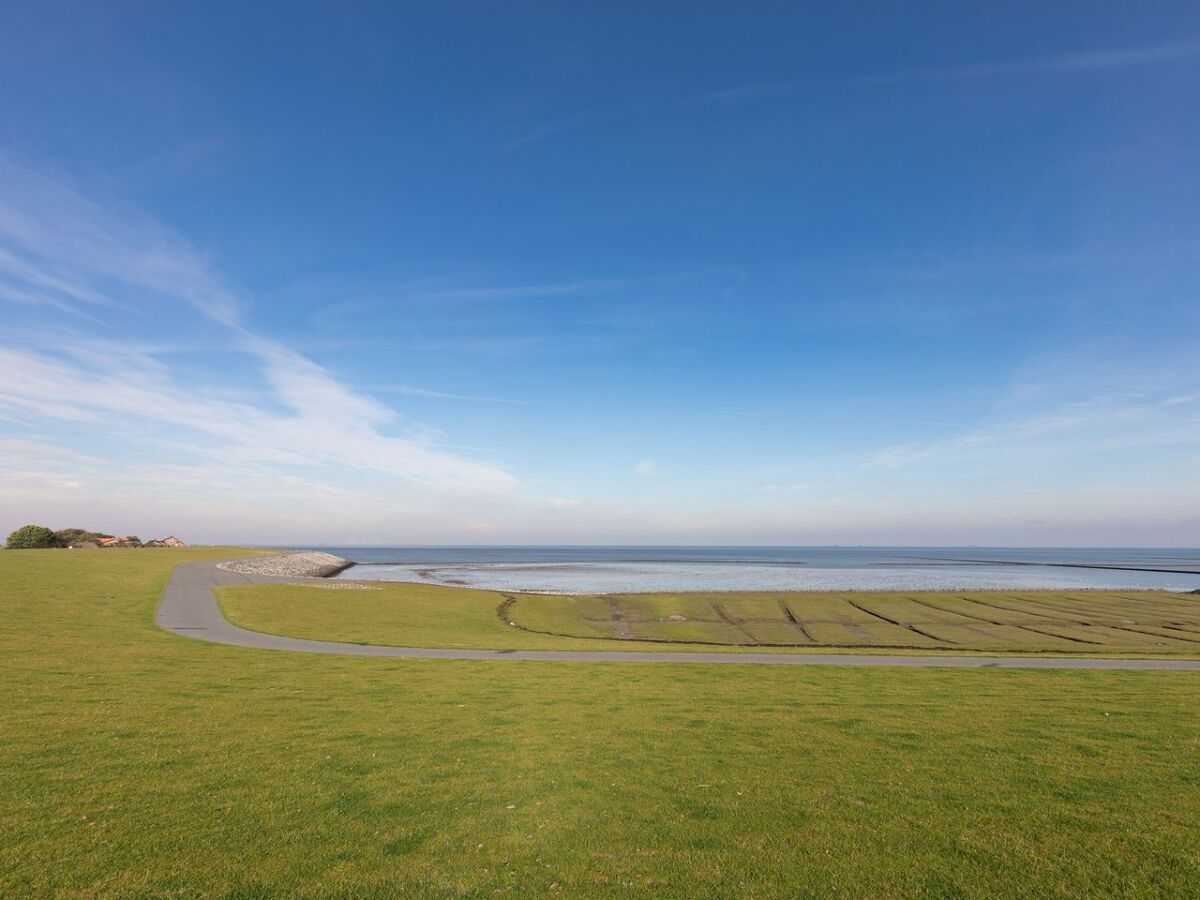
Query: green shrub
[(68, 536), (31, 537)]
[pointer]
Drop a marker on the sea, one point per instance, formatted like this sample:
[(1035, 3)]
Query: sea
[(584, 569)]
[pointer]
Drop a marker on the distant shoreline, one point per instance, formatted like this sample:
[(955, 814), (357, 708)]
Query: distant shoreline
[(1006, 562)]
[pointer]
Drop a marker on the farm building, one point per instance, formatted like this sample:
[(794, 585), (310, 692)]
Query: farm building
[(169, 541), (118, 542)]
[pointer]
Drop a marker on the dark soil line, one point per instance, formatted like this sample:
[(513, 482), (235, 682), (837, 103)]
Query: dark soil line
[(1029, 628), (1083, 624), (1089, 604), (1186, 627), (1107, 619), (509, 601), (955, 612), (972, 628), (1165, 637), (1062, 637), (1168, 609), (1026, 612), (913, 628), (1181, 600), (1034, 612), (791, 617), (502, 611), (620, 624), (730, 619), (1172, 600)]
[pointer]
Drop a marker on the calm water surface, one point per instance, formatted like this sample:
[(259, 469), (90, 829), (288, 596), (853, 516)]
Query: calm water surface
[(610, 569)]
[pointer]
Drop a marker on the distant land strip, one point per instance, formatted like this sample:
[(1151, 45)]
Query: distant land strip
[(1010, 562)]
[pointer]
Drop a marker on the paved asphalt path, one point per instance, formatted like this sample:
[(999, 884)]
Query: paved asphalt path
[(189, 608)]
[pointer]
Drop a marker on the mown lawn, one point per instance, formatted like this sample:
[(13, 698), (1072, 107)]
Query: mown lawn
[(1090, 623), (134, 762)]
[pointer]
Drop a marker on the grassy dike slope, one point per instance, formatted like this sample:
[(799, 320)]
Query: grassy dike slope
[(945, 623), (135, 762)]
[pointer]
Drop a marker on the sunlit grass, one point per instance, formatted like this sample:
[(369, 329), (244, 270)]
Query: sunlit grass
[(139, 763)]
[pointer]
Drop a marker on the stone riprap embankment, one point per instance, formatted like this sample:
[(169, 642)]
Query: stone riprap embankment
[(289, 565)]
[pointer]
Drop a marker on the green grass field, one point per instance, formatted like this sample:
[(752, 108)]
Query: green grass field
[(1118, 623), (139, 763)]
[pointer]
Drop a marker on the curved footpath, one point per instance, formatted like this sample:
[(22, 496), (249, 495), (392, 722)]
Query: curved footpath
[(189, 608)]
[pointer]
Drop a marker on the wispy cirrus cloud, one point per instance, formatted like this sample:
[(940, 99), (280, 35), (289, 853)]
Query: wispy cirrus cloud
[(1101, 423), (1075, 61), (55, 241), (53, 238), (1080, 61), (744, 93), (579, 288), (323, 427), (1181, 400), (556, 127), (1068, 62), (409, 390)]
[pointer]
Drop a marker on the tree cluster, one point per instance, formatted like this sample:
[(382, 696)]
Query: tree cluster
[(68, 536), (35, 537)]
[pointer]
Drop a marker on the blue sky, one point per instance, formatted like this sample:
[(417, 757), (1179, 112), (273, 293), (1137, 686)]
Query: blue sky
[(889, 273)]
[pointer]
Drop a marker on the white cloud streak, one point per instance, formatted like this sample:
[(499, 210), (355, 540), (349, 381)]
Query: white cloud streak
[(54, 241), (1073, 62), (409, 390), (1081, 62), (1103, 423), (586, 287)]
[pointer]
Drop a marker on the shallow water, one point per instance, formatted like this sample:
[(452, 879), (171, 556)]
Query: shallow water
[(613, 569)]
